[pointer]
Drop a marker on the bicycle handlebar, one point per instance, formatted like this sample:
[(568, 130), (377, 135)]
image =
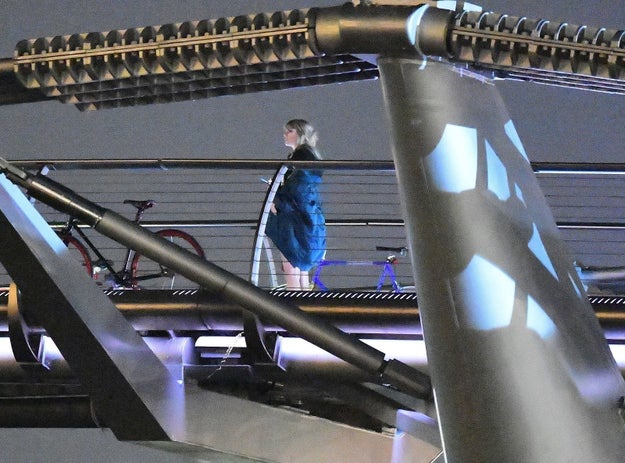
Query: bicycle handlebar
[(403, 251)]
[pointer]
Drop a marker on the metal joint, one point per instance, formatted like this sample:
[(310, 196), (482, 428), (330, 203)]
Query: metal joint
[(363, 29)]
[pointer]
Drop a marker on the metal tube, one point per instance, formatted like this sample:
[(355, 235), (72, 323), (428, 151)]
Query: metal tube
[(476, 219), (201, 311), (217, 280), (261, 303), (358, 29), (11, 90), (48, 412), (169, 164)]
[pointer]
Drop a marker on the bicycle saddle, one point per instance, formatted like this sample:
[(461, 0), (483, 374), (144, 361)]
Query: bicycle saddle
[(140, 204)]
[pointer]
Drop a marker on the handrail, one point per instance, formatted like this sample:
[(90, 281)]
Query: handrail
[(354, 209), (244, 223), (562, 224), (164, 164), (274, 164)]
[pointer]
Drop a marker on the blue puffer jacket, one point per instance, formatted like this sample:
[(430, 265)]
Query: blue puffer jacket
[(298, 229)]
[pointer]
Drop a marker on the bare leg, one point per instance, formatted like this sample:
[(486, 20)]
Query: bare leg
[(292, 275), (304, 280)]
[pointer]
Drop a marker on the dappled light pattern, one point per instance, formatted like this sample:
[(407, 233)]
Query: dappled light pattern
[(513, 350), (451, 172), (483, 308), (515, 139), (519, 193), (578, 291), (538, 320), (537, 246), (495, 289), (497, 177)]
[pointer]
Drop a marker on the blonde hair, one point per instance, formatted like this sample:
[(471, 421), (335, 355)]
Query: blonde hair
[(306, 133)]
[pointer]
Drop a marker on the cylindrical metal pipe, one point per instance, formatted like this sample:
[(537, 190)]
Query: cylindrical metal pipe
[(381, 314), (11, 90), (48, 412), (431, 28), (230, 287), (217, 280), (358, 29), (6, 67), (476, 219), (204, 312), (382, 30)]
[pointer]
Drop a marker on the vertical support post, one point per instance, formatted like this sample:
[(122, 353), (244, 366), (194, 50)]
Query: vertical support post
[(520, 368)]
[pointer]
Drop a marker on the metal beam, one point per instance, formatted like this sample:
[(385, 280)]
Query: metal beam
[(297, 48), (392, 315), (131, 389), (91, 334), (476, 219), (221, 282)]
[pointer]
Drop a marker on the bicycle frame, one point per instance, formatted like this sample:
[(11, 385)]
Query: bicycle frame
[(120, 278), (129, 276), (387, 271)]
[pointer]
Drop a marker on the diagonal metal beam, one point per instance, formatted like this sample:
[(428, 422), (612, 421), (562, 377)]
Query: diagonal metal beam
[(223, 283), (131, 389), (113, 363), (522, 373)]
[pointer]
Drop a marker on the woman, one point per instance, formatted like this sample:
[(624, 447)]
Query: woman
[(296, 223)]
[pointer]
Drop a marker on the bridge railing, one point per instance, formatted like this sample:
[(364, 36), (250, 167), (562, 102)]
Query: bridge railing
[(220, 203)]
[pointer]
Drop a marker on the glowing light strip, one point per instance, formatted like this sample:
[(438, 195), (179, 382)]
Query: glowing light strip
[(297, 349), (237, 342), (408, 351)]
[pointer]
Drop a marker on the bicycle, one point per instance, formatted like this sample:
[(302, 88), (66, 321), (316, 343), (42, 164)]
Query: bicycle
[(387, 271), (137, 269)]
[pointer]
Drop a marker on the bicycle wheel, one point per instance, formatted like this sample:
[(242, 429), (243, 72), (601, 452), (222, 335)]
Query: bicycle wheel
[(147, 274), (78, 252)]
